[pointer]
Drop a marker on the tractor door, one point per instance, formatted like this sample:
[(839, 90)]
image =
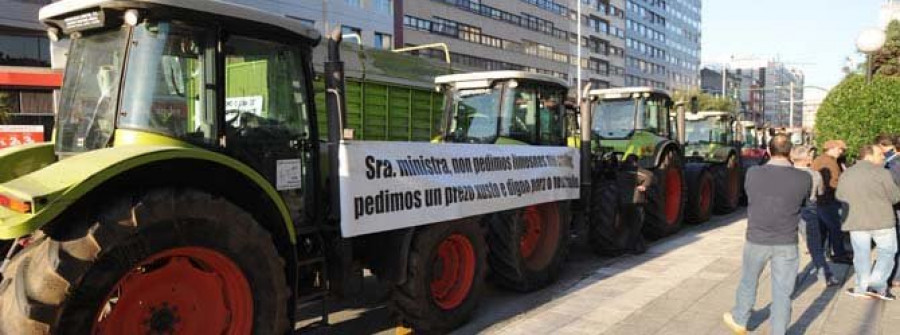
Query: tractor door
[(534, 114), (267, 113)]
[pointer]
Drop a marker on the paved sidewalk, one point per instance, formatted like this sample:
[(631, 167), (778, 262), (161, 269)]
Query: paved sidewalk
[(684, 284)]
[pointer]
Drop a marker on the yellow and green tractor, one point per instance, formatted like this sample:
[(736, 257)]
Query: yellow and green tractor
[(714, 169)]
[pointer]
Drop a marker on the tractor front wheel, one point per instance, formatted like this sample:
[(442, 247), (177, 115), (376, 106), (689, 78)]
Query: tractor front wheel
[(614, 228), (666, 200), (445, 277), (728, 186), (701, 195), (171, 261), (528, 245)]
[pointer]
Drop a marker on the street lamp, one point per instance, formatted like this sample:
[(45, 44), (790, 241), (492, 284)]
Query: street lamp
[(870, 41)]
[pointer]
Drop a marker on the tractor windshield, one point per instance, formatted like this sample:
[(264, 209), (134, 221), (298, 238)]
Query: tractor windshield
[(614, 118), (474, 115), (89, 93), (706, 130), (169, 76)]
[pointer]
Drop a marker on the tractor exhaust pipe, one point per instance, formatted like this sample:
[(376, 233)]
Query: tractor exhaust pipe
[(336, 107), (585, 147)]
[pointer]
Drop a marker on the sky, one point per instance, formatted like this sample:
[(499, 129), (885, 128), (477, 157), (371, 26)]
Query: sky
[(817, 35)]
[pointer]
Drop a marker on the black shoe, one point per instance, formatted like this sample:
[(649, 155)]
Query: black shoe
[(831, 281), (886, 296)]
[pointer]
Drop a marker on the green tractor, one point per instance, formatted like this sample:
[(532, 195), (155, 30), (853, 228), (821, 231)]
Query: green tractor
[(632, 126), (527, 246), (187, 190), (714, 167)]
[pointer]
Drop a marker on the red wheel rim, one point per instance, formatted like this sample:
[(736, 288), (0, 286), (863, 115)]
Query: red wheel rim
[(705, 197), (673, 195), (540, 235), (533, 226), (188, 290), (453, 272)]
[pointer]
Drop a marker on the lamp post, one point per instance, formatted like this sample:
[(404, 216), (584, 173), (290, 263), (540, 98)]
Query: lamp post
[(870, 41)]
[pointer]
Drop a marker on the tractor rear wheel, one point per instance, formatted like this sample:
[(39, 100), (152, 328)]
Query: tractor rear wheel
[(527, 246), (445, 277), (666, 200), (613, 228), (728, 186), (166, 262), (701, 195)]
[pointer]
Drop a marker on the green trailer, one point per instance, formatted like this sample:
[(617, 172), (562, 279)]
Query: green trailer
[(390, 96)]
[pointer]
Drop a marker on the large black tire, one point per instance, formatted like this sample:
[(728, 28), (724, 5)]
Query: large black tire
[(666, 198), (613, 228), (61, 284), (528, 246), (728, 186), (415, 302), (701, 196)]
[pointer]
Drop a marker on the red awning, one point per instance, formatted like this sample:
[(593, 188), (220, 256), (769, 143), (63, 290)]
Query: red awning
[(29, 77)]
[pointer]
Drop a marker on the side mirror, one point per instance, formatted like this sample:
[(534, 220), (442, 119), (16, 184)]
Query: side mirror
[(695, 105)]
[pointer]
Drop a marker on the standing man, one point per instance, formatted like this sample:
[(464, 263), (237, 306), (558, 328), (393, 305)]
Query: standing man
[(869, 193), (828, 207), (890, 144), (802, 157), (776, 192)]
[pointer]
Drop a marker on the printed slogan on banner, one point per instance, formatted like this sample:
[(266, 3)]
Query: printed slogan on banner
[(390, 185)]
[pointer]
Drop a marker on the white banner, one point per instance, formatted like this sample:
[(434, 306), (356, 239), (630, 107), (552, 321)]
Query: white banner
[(392, 185)]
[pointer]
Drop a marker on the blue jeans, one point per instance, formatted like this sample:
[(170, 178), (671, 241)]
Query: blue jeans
[(815, 240), (785, 261), (830, 216), (869, 276)]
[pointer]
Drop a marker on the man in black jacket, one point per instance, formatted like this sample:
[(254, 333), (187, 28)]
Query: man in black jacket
[(776, 192)]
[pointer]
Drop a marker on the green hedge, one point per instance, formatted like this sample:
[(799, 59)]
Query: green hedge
[(856, 112)]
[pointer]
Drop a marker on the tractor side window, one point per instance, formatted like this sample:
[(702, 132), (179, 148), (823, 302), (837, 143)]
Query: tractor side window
[(550, 106), (521, 114), (652, 122), (264, 89), (168, 86)]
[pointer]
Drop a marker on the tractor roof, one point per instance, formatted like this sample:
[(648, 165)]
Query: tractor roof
[(626, 92), (214, 7), (486, 78), (705, 114)]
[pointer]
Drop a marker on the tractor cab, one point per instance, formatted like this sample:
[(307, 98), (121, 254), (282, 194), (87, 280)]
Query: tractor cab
[(631, 121), (503, 107), (706, 133), (209, 75)]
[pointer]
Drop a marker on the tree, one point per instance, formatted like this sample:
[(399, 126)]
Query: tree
[(886, 62), (856, 112)]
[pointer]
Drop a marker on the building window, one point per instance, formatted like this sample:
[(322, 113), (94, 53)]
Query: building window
[(356, 3), (24, 50), (383, 6), (348, 30), (383, 41)]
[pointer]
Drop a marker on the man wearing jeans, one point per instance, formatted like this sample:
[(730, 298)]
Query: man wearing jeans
[(776, 192), (829, 209), (869, 193)]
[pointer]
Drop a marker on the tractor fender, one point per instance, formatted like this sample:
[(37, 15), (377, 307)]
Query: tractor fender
[(23, 159), (661, 149), (54, 189), (723, 153)]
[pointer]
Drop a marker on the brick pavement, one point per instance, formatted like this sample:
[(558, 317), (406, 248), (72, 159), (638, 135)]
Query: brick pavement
[(682, 285)]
